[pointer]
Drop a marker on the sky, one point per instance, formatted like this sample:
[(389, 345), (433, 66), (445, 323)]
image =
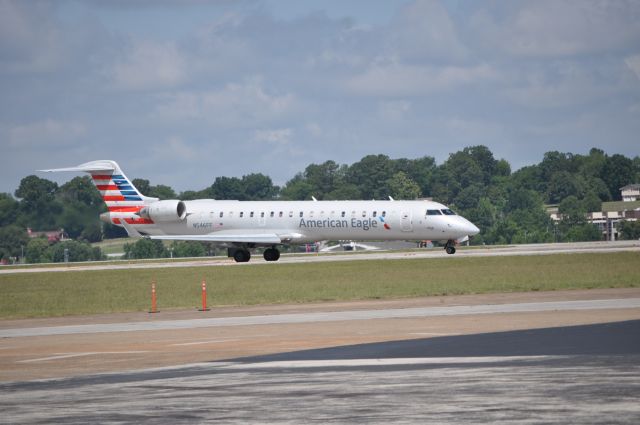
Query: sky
[(180, 92)]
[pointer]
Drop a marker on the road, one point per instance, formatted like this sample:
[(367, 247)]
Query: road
[(525, 249)]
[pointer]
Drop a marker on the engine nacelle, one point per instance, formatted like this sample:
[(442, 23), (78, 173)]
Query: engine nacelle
[(163, 211)]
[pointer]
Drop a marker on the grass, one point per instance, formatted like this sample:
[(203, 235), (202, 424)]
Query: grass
[(89, 292)]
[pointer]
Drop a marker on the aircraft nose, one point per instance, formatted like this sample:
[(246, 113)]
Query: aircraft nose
[(470, 228)]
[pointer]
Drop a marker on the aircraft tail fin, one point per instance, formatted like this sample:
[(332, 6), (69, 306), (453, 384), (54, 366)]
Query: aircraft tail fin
[(117, 191)]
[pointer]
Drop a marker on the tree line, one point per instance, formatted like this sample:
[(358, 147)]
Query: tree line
[(508, 207)]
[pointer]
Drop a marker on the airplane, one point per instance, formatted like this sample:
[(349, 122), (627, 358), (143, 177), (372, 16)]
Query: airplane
[(243, 225)]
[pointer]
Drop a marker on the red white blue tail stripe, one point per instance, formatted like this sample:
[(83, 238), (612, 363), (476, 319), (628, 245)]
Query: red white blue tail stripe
[(121, 196)]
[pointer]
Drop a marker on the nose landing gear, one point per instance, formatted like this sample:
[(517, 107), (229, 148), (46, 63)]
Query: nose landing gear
[(450, 247)]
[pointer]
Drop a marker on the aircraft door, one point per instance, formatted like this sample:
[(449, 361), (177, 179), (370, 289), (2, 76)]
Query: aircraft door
[(406, 222)]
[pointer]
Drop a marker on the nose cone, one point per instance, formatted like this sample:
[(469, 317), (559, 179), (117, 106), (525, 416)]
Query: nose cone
[(470, 228)]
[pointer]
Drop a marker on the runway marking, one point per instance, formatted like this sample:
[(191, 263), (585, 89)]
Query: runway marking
[(432, 333), (213, 341), (331, 316), (303, 364), (71, 355)]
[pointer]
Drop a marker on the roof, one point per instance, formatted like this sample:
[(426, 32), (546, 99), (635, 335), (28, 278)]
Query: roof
[(620, 206), (631, 186)]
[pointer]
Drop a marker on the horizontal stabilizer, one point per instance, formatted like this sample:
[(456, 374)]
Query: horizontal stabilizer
[(261, 238), (87, 167), (131, 231)]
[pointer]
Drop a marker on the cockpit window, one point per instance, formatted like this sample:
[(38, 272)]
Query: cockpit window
[(448, 212), (434, 212)]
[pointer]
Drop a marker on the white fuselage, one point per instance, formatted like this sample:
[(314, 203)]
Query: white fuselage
[(309, 221)]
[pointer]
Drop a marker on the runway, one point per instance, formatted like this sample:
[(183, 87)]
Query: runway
[(489, 251), (585, 374), (553, 357)]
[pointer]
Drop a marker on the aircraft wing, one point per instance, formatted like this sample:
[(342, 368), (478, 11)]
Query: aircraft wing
[(261, 238)]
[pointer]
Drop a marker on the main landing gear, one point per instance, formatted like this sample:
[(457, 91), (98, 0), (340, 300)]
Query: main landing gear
[(271, 254), (242, 255), (450, 247)]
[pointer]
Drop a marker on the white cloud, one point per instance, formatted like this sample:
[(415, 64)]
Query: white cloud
[(559, 28), (29, 40), (401, 80), (49, 133), (174, 148), (423, 29), (235, 104), (280, 136), (394, 110), (149, 65), (633, 62)]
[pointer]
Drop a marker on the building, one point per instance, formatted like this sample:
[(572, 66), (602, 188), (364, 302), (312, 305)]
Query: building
[(52, 235), (612, 212), (630, 192)]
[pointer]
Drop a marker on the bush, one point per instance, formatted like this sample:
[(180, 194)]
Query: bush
[(78, 251), (145, 248)]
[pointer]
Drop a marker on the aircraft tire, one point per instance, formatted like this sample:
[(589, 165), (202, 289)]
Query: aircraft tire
[(271, 254), (450, 249), (242, 256)]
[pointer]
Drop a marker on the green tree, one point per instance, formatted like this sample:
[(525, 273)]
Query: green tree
[(564, 184), (402, 187), (370, 175), (629, 230), (228, 188), (38, 206), (188, 249), (618, 172), (92, 232), (37, 251), (77, 251), (297, 189), (8, 209), (13, 240), (81, 190), (572, 211), (142, 185), (257, 186), (162, 191), (145, 248)]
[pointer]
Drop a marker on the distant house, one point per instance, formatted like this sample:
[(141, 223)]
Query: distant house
[(612, 212), (630, 192), (51, 235)]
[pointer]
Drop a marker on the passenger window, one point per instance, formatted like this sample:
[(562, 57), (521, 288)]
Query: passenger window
[(262, 214), (280, 214), (364, 213), (343, 213), (241, 214), (311, 214), (384, 213), (290, 214), (375, 213), (251, 214), (221, 214), (301, 214), (271, 215)]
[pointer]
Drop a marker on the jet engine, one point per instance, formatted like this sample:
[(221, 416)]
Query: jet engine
[(163, 211)]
